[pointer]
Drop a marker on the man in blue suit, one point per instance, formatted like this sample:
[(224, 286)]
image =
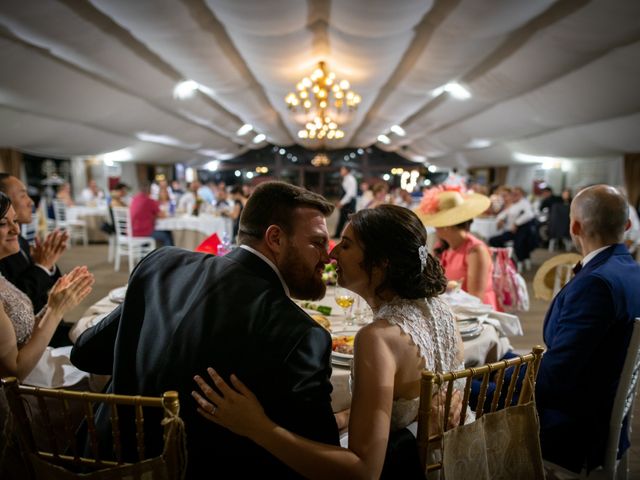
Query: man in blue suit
[(587, 331)]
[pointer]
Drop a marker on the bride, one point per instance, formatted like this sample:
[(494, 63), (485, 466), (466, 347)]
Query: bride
[(383, 258)]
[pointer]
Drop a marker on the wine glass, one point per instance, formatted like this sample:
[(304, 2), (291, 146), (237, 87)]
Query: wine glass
[(344, 298)]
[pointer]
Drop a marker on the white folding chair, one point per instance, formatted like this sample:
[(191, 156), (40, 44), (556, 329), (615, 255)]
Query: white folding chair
[(613, 468), (29, 231), (77, 228), (46, 225), (127, 245)]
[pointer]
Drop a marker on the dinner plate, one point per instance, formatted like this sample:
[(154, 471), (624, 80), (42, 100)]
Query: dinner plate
[(470, 328), (117, 294), (342, 359)]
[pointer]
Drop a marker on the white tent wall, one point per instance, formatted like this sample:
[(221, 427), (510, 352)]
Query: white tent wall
[(571, 173), (581, 173)]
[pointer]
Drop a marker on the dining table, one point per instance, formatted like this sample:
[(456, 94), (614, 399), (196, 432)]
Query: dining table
[(94, 216), (487, 344), (189, 231)]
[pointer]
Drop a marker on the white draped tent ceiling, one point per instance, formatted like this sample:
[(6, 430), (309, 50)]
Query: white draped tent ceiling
[(547, 78)]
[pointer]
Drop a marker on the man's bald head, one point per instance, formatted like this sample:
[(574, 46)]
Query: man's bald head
[(603, 212)]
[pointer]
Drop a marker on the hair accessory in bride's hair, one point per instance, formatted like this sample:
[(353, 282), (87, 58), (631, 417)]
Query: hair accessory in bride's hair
[(422, 251)]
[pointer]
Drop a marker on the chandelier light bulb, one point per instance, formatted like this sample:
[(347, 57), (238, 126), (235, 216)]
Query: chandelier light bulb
[(323, 96)]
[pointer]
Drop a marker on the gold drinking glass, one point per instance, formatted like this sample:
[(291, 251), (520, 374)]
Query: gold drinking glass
[(344, 298)]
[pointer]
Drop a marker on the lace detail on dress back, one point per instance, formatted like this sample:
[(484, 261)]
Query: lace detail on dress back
[(18, 308), (432, 326)]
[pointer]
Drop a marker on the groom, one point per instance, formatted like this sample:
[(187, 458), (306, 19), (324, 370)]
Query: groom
[(185, 311)]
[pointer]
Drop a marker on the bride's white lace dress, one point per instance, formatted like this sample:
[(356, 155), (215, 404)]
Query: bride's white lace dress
[(432, 326)]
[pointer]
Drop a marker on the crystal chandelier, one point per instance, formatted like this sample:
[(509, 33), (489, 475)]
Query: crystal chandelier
[(320, 160), (322, 96)]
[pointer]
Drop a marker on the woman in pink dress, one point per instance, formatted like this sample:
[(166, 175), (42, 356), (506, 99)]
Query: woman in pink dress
[(465, 259)]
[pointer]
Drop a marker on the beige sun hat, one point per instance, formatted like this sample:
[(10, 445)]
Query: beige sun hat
[(451, 208), (544, 281)]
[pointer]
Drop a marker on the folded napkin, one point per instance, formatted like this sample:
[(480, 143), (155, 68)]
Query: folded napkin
[(54, 370), (465, 305)]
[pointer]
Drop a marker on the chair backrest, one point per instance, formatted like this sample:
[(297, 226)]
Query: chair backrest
[(48, 438), (29, 231), (624, 399), (59, 212), (506, 394), (122, 222)]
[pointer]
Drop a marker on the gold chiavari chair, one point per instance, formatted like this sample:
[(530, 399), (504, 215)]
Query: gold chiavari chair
[(508, 398), (48, 444)]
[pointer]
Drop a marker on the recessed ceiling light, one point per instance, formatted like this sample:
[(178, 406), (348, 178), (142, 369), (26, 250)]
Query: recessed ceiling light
[(185, 89), (166, 140), (382, 138), (479, 143), (121, 155), (244, 129), (456, 90), (212, 166), (259, 138), (398, 130)]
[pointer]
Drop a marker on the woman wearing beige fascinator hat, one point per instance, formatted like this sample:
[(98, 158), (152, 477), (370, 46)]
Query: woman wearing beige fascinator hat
[(465, 259)]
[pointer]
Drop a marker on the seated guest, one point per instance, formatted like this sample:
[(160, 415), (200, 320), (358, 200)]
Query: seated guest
[(239, 201), (64, 194), (382, 257), (380, 191), (519, 223), (144, 212), (92, 194), (33, 269), (23, 335), (190, 201), (223, 204), (119, 195), (587, 331), (465, 259)]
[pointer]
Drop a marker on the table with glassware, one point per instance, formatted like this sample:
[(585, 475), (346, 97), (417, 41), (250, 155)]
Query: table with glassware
[(484, 331), (189, 230)]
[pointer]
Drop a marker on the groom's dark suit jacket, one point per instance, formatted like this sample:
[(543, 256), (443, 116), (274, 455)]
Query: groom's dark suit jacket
[(587, 332), (186, 311)]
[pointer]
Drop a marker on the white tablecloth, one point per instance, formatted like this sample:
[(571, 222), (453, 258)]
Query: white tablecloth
[(490, 346), (205, 224), (80, 211), (189, 231), (484, 227), (94, 218)]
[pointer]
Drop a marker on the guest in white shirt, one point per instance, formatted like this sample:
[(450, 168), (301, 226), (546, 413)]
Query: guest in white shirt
[(347, 204), (187, 201), (92, 194), (519, 224)]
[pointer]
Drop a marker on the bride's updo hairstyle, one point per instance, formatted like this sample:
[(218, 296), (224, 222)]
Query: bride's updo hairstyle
[(394, 238)]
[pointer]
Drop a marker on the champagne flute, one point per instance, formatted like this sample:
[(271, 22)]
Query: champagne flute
[(344, 298)]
